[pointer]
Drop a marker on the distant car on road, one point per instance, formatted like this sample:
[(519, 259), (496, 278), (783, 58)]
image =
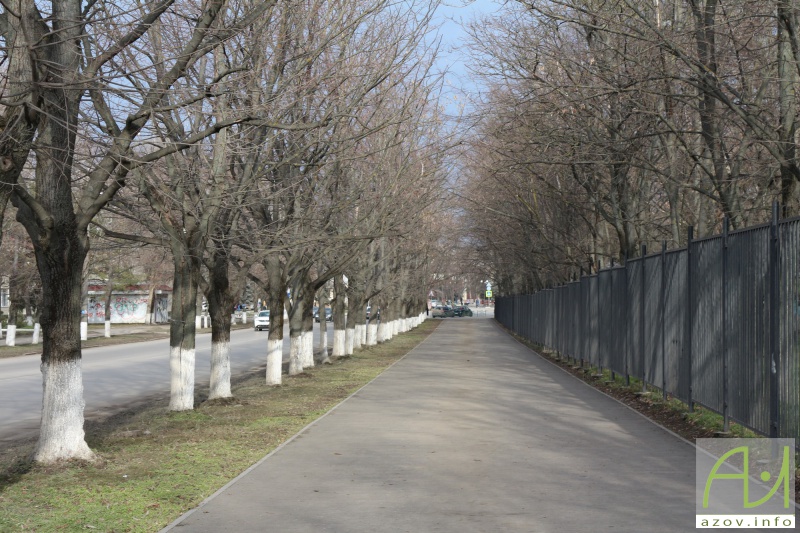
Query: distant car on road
[(442, 311), (261, 321), (328, 314), (462, 310)]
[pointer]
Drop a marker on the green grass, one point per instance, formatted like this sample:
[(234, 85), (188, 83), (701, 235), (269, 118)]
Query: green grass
[(154, 464)]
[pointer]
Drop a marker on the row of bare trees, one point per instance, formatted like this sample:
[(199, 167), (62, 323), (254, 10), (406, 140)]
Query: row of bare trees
[(293, 143), (607, 125)]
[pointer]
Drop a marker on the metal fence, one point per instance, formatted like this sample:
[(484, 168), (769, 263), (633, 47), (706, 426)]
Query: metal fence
[(714, 324)]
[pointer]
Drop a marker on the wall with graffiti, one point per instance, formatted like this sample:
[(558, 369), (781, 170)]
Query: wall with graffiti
[(125, 309)]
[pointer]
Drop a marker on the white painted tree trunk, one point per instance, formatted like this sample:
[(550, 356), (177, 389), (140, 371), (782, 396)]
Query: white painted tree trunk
[(274, 361), (108, 328), (198, 322), (308, 349), (364, 334), (322, 350), (372, 334), (37, 332), (28, 320), (61, 432), (339, 342), (382, 327), (358, 335), (11, 335), (349, 340), (295, 354), (220, 384), (84, 331), (395, 328), (181, 365)]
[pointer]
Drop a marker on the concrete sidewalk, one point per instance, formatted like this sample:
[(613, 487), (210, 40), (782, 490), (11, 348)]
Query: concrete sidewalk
[(470, 432)]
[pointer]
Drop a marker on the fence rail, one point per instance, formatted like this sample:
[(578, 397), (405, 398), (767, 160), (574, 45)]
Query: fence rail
[(714, 324)]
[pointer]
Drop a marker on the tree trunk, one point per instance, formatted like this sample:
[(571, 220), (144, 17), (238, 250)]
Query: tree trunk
[(14, 299), (220, 383), (308, 339), (355, 315), (295, 349), (358, 336), (372, 333), (182, 334), (322, 352), (275, 339), (339, 318), (60, 261), (297, 337), (384, 326), (277, 294), (788, 75), (220, 302)]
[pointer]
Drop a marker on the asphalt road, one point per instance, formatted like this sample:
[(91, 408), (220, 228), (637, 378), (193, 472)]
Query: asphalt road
[(114, 377)]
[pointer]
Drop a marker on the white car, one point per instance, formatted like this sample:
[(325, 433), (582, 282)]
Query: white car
[(261, 321)]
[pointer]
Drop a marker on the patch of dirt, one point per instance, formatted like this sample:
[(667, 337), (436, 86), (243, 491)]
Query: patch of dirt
[(225, 401)]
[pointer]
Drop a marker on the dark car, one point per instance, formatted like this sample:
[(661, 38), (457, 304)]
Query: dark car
[(369, 313), (442, 311), (462, 310)]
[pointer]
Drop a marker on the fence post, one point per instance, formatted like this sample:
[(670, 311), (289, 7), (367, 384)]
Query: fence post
[(581, 329), (663, 305), (642, 316), (628, 328), (774, 323), (689, 315), (613, 299), (725, 393)]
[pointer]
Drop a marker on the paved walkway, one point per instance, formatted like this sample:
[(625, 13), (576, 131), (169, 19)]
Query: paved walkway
[(470, 432)]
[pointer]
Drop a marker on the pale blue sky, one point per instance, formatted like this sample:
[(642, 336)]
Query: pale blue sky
[(451, 15)]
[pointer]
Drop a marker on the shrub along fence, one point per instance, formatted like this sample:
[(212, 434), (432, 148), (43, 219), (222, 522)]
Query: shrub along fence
[(714, 324)]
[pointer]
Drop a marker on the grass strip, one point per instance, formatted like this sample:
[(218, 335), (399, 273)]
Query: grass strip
[(155, 464)]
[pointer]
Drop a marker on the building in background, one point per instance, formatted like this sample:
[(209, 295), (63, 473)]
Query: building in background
[(135, 304)]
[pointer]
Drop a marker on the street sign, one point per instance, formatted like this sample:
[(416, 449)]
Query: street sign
[(488, 294)]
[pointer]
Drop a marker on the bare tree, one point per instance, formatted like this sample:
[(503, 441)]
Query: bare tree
[(69, 74)]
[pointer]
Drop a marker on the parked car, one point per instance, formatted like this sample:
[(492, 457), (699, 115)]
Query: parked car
[(442, 311), (328, 314), (261, 320), (462, 310), (377, 313)]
